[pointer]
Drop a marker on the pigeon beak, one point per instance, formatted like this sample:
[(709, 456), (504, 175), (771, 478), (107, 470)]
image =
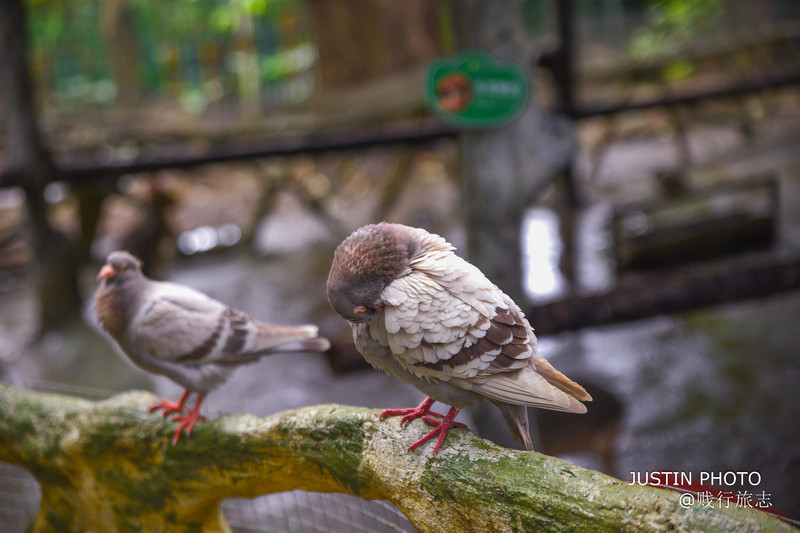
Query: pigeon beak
[(106, 272)]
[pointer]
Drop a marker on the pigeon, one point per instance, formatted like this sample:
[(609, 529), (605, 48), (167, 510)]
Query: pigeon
[(431, 319), (178, 332)]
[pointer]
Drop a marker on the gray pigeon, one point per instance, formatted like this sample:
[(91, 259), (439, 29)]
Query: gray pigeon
[(176, 331), (429, 318)]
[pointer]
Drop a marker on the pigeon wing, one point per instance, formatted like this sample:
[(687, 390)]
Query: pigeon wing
[(182, 325), (446, 321)]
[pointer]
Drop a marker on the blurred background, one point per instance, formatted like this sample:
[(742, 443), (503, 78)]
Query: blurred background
[(644, 211)]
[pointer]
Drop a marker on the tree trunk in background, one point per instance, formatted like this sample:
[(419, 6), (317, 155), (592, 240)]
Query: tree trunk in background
[(503, 171), (54, 268), (364, 39), (123, 53)]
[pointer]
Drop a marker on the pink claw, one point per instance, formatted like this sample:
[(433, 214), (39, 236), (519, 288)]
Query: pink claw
[(187, 421), (437, 423), (423, 411), (410, 413), (168, 406), (441, 429)]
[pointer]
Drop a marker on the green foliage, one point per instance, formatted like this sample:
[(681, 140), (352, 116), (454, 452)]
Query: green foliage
[(192, 51), (230, 15), (678, 70), (673, 24), (63, 49)]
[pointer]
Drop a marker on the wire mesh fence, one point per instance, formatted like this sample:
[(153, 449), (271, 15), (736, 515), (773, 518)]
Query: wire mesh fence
[(19, 498), (300, 512), (288, 512)]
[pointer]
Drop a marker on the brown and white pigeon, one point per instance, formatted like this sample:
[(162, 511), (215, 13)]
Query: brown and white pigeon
[(429, 318), (176, 331)]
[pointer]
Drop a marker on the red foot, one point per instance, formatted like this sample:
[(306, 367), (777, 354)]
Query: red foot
[(423, 411), (437, 423), (440, 429), (410, 413), (168, 406), (187, 421)]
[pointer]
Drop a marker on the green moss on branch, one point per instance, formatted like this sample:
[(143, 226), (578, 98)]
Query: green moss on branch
[(109, 466)]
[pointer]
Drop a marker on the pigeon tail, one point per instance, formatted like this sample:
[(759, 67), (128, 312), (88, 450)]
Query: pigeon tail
[(277, 339), (557, 379)]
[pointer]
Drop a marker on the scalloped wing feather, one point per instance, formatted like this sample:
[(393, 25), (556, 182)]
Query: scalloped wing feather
[(445, 320), (177, 323)]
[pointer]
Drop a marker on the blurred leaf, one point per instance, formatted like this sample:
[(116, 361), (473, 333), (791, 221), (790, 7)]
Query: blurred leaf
[(183, 46), (673, 24), (678, 70)]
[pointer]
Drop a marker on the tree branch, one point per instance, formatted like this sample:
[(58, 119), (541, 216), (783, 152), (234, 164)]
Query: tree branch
[(109, 466)]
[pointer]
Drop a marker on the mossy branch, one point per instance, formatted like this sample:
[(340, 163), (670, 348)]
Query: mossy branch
[(109, 466)]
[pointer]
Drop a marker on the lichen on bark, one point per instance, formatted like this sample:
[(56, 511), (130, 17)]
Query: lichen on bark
[(109, 466)]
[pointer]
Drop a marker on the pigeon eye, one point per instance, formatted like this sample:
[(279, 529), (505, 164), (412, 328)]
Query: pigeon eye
[(123, 267), (360, 310)]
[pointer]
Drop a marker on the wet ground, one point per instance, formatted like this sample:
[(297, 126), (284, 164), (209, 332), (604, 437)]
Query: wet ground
[(706, 392)]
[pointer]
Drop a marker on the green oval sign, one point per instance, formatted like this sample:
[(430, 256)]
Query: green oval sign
[(474, 90)]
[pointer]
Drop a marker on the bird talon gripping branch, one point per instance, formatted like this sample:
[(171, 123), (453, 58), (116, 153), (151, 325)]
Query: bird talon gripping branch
[(429, 318), (168, 406), (437, 423), (410, 413), (187, 422), (441, 428)]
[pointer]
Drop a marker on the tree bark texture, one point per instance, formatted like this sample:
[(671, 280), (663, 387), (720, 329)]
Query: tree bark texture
[(109, 466)]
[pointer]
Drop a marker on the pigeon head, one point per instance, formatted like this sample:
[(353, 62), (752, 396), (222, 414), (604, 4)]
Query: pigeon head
[(120, 267), (364, 264)]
